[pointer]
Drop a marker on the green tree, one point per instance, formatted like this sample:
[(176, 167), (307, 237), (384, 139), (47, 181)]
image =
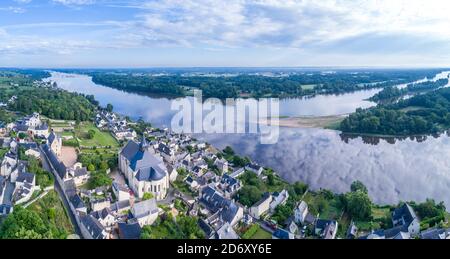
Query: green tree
[(91, 134), (147, 196), (300, 188), (109, 107), (91, 167), (359, 205), (249, 195), (358, 186), (24, 224), (99, 179)]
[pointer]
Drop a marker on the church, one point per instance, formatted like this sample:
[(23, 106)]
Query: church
[(144, 169)]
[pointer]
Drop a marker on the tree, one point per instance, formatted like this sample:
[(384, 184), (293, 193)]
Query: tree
[(99, 179), (189, 228), (359, 205), (109, 107), (24, 224), (271, 179), (358, 186), (429, 209), (91, 134), (147, 196), (300, 188), (249, 195), (228, 151), (91, 167), (104, 165)]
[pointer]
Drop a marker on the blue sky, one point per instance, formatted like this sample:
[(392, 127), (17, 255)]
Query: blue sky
[(153, 33)]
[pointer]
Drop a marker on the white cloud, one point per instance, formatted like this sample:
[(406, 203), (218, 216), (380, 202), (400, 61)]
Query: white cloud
[(287, 23), (13, 9), (23, 1), (74, 2)]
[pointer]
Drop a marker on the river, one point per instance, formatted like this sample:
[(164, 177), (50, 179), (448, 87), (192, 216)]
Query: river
[(392, 169)]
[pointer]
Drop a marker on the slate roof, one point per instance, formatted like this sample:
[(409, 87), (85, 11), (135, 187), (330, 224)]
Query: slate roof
[(28, 145), (101, 214), (282, 234), (94, 227), (80, 172), (144, 159), (77, 202), (229, 180), (129, 231), (226, 232), (120, 205), (144, 208), (405, 212), (119, 187), (434, 233), (59, 166), (215, 202), (25, 177), (130, 150), (323, 223), (150, 174), (52, 137), (205, 227), (43, 126)]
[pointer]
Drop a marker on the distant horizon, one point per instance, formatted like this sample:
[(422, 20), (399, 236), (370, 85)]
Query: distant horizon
[(227, 67)]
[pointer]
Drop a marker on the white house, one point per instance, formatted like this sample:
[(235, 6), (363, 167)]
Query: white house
[(279, 199), (261, 207), (222, 164), (144, 170), (24, 186), (105, 218), (301, 212), (9, 163), (55, 143), (145, 212), (121, 191), (257, 169), (79, 174), (404, 217)]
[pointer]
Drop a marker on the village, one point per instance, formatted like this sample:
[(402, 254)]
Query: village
[(118, 183)]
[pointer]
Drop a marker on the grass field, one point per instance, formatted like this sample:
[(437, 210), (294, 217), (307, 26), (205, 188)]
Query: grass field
[(261, 234), (101, 138), (52, 211), (3, 151), (308, 87)]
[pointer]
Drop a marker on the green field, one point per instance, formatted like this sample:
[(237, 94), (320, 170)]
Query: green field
[(3, 151), (52, 211), (261, 234), (308, 87), (101, 138)]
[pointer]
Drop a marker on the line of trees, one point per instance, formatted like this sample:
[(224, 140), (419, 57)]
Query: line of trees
[(422, 114), (259, 85)]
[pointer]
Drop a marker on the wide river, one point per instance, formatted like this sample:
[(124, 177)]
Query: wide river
[(392, 169)]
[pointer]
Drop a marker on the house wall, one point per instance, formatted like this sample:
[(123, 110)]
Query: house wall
[(148, 220), (257, 211)]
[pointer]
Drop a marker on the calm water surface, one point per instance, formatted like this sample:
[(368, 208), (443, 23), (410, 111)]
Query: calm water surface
[(407, 169)]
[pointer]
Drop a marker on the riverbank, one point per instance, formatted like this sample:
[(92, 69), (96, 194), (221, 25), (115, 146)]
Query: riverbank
[(310, 122)]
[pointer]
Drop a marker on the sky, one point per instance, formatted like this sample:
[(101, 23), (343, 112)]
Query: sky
[(232, 33)]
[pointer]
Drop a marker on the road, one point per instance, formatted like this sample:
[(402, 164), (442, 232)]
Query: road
[(47, 166)]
